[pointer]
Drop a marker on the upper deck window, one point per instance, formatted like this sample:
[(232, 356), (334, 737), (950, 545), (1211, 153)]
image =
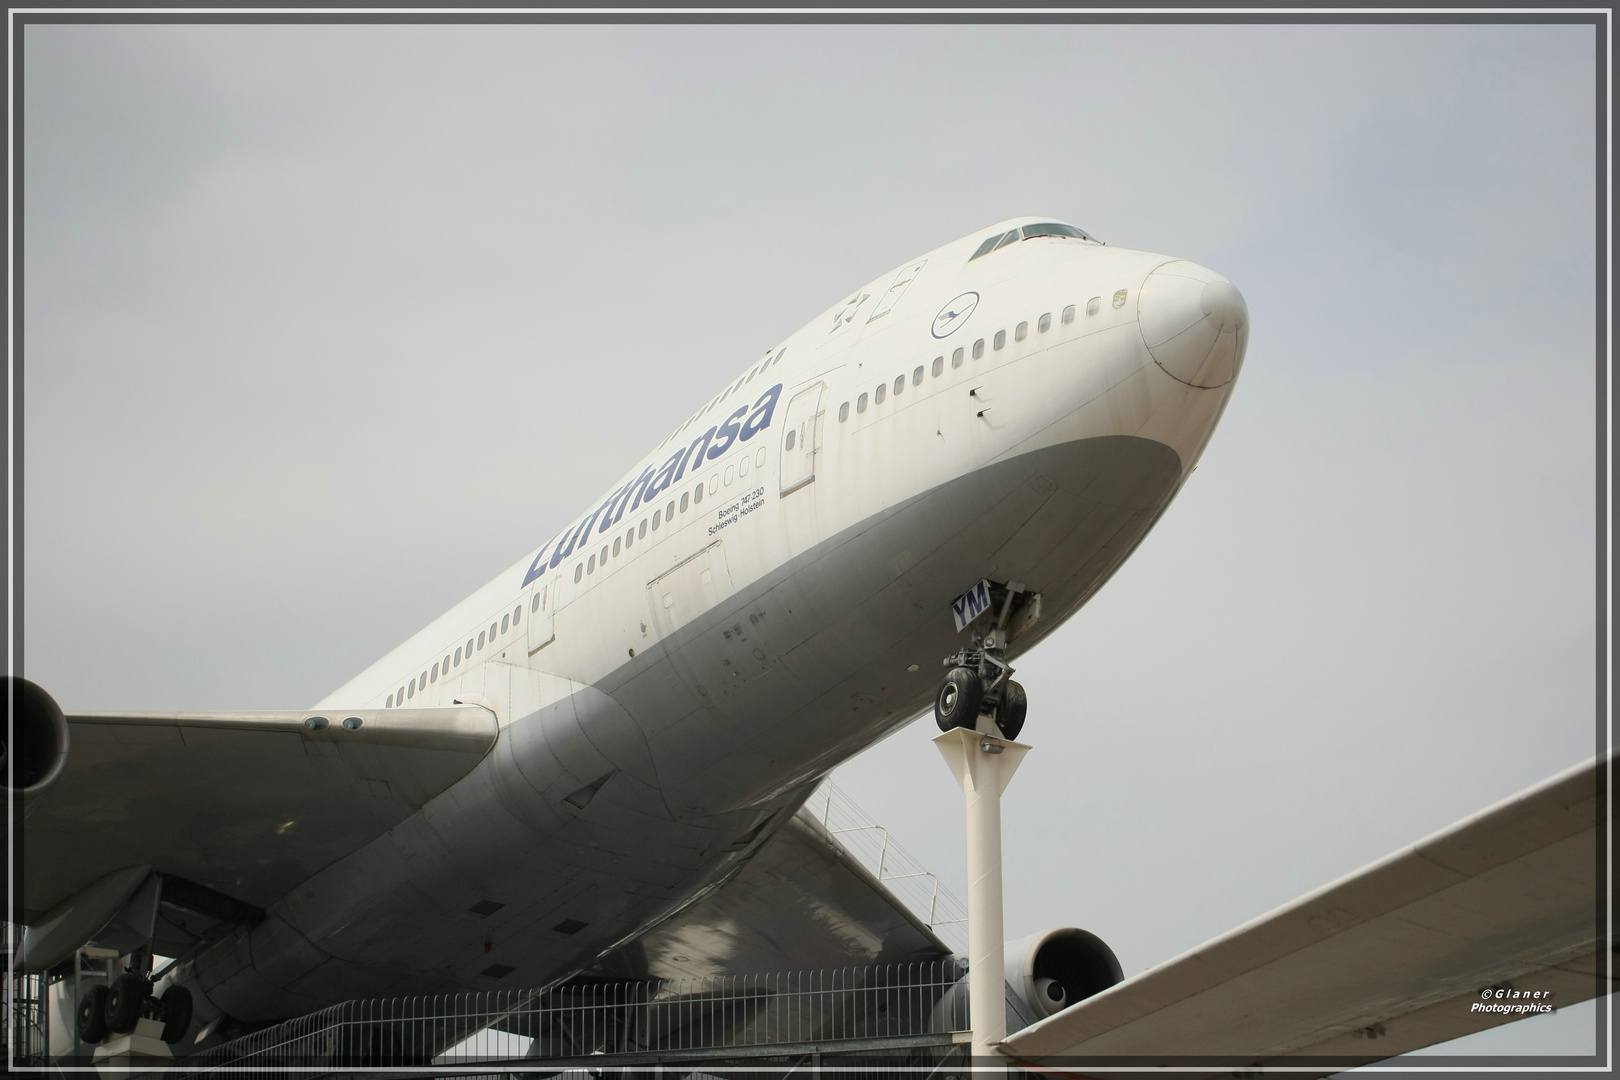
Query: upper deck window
[(1029, 232)]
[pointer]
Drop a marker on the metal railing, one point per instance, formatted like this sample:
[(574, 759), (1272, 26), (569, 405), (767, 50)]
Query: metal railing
[(916, 886), (26, 1036), (870, 1008)]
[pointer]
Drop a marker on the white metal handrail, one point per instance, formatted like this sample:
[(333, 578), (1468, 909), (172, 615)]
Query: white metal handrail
[(843, 1006), (914, 884)]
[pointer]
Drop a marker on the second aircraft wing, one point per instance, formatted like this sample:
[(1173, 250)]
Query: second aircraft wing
[(1502, 909)]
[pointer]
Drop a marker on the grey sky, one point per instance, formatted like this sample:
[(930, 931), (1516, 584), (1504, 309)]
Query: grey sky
[(326, 326)]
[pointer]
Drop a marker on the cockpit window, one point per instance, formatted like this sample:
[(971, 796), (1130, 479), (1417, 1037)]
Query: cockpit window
[(1029, 232), (990, 245), (1053, 228)]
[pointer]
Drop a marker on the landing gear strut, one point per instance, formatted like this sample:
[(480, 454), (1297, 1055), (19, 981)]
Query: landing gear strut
[(979, 679)]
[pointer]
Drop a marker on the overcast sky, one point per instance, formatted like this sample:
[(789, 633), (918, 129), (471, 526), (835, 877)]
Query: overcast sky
[(324, 327)]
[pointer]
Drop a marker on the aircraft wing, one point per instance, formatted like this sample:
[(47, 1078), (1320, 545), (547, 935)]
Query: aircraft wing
[(246, 805), (1389, 959), (802, 901)]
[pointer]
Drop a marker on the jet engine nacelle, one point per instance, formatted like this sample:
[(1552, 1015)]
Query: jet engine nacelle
[(1054, 969), (37, 751)]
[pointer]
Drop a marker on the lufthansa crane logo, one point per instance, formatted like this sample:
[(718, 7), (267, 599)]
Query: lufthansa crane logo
[(954, 314)]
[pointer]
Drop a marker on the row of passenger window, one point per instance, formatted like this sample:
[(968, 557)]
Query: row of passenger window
[(997, 343), (485, 637), (588, 565), (688, 499)]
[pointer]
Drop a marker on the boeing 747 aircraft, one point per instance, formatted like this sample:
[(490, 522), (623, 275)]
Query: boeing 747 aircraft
[(593, 764)]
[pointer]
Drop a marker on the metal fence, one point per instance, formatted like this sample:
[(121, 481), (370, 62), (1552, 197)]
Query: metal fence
[(876, 1008), (26, 1036)]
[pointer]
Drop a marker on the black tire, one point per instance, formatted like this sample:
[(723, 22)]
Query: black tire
[(1010, 714), (960, 695), (175, 1008), (124, 1003), (92, 1023)]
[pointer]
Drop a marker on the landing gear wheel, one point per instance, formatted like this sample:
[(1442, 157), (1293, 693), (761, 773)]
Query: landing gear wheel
[(175, 1009), (92, 1023), (1010, 715), (124, 1003), (960, 696)]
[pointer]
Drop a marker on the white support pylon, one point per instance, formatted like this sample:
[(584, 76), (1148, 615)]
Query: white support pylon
[(984, 765)]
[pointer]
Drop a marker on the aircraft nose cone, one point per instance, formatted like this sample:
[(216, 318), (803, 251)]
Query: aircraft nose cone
[(1194, 323)]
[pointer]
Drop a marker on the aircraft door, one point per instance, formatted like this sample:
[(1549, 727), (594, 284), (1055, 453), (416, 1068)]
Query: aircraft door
[(538, 610), (802, 438), (688, 589)]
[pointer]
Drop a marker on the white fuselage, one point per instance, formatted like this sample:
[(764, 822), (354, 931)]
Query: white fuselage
[(671, 675)]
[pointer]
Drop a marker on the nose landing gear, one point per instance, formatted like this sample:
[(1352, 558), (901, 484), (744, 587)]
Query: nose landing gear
[(960, 697), (979, 679)]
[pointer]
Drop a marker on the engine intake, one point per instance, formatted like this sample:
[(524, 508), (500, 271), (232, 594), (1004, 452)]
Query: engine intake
[(1052, 970), (37, 751)]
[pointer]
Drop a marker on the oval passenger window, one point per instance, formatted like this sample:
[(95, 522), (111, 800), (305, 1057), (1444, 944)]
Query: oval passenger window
[(793, 434)]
